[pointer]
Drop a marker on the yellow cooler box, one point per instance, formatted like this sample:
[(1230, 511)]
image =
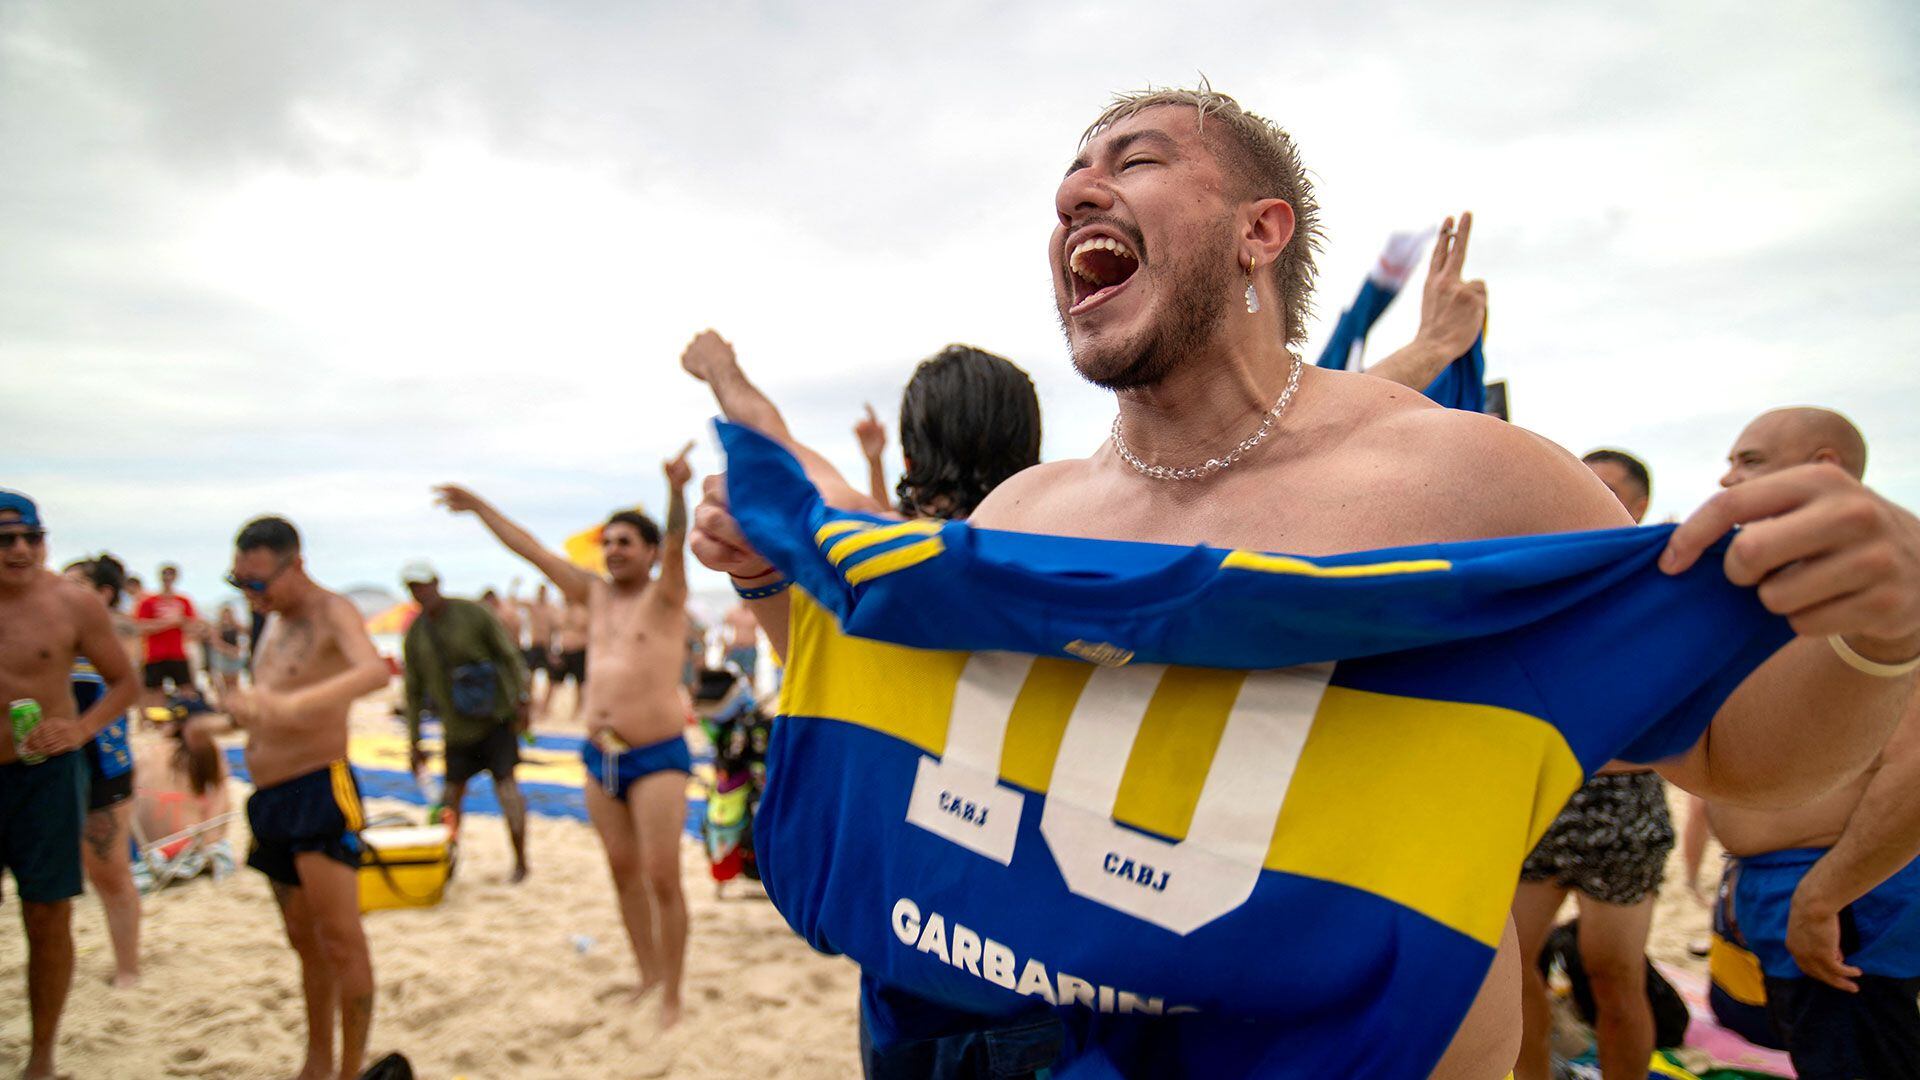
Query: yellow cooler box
[(405, 866)]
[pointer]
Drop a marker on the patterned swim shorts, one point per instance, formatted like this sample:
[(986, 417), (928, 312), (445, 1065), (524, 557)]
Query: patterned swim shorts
[(1610, 842)]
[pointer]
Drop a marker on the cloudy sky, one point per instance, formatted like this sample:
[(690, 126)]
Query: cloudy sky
[(313, 258)]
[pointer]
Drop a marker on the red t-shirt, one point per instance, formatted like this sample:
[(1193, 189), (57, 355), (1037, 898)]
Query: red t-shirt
[(167, 644)]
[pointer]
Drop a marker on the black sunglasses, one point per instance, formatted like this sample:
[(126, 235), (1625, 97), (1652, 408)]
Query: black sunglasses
[(257, 585), (31, 536)]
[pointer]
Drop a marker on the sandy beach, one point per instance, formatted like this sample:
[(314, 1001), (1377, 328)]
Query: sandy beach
[(491, 983)]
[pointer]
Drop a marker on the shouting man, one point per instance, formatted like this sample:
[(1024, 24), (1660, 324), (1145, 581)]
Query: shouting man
[(635, 752), (313, 661), (1182, 264)]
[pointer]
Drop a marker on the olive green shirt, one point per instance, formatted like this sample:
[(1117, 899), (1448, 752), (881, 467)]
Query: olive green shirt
[(470, 635)]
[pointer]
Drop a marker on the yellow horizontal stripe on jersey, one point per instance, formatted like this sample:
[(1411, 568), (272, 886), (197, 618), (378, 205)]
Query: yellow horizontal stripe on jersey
[(838, 551), (1287, 564), (837, 677), (837, 528), (1431, 804), (899, 558)]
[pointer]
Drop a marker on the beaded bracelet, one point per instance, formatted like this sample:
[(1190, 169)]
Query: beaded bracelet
[(763, 591)]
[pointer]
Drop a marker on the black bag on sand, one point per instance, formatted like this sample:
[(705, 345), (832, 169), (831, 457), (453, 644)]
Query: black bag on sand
[(392, 1067), (1669, 1011)]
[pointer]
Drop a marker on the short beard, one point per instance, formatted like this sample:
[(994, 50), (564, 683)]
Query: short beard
[(1196, 308)]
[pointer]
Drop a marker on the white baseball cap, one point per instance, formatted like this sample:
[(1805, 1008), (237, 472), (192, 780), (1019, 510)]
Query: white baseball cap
[(419, 572)]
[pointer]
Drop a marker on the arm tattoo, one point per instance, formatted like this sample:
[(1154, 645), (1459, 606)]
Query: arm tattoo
[(677, 512)]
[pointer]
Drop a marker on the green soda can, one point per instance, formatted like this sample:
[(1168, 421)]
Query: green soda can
[(25, 715)]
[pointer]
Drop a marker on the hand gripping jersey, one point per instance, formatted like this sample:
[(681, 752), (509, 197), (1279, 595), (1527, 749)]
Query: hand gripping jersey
[(1227, 813)]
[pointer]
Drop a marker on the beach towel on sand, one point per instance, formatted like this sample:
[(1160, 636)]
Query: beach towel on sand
[(1222, 813)]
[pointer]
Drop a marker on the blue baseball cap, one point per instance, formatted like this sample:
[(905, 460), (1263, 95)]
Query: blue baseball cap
[(19, 504)]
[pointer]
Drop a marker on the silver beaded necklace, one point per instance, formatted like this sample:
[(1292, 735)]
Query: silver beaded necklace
[(1212, 465)]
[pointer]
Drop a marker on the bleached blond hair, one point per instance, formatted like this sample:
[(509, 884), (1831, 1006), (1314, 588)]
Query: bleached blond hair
[(1260, 159)]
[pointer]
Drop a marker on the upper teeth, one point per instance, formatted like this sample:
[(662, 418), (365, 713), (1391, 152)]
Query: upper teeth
[(1097, 243)]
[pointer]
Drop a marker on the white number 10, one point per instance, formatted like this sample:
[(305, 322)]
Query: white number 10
[(1179, 885)]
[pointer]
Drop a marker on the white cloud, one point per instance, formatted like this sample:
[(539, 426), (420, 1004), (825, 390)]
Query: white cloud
[(316, 258)]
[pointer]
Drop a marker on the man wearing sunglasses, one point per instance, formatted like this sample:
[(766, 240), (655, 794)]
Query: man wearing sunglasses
[(43, 781), (313, 660)]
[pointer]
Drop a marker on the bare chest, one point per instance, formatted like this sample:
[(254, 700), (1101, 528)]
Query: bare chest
[(1297, 510), (38, 641), (295, 651), (634, 628), (37, 646)]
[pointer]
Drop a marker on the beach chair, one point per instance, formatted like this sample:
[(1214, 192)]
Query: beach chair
[(181, 855)]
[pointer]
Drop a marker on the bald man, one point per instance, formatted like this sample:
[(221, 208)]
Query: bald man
[(1827, 894)]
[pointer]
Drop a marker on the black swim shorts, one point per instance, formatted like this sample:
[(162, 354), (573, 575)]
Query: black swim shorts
[(497, 752), (157, 672), (1610, 842), (42, 809), (318, 812)]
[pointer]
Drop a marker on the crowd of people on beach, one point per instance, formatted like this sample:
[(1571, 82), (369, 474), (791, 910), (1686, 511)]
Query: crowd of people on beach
[(1182, 262)]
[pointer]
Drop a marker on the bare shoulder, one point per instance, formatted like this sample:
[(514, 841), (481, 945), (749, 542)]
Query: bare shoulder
[(339, 616), (1507, 480), (1014, 501), (76, 600)]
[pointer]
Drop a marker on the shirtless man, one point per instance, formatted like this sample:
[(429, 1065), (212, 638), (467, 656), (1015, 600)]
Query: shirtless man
[(45, 622), (570, 659), (537, 615), (1827, 893), (312, 661), (1164, 227), (635, 751)]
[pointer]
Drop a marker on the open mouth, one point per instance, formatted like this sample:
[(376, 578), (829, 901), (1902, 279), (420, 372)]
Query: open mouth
[(1098, 268)]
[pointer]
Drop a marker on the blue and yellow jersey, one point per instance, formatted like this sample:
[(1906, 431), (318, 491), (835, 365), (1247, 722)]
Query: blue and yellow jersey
[(110, 747), (1223, 812)]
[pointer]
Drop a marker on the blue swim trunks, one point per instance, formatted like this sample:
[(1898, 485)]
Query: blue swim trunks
[(1886, 920), (616, 771)]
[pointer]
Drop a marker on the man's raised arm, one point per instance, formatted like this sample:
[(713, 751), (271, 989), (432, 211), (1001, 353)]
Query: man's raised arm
[(873, 444), (673, 544), (1452, 311), (576, 584), (1843, 565), (711, 360)]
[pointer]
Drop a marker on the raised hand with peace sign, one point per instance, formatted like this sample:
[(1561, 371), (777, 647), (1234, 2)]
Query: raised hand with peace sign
[(1452, 312)]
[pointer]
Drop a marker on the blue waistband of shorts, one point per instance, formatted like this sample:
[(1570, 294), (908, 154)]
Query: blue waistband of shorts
[(1790, 857)]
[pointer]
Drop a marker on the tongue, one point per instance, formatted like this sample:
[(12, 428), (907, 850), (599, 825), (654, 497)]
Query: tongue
[(1106, 268)]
